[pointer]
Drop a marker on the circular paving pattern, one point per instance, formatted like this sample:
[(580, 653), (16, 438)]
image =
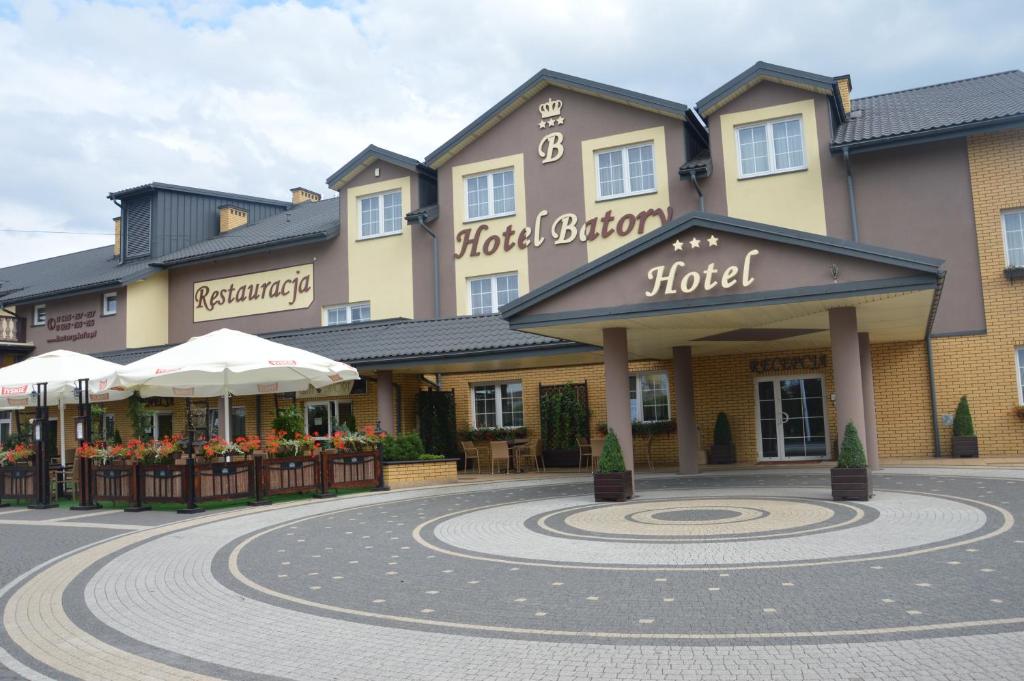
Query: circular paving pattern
[(450, 582)]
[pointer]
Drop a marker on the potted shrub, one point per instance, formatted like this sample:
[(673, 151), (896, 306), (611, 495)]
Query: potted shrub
[(965, 442), (612, 482), (723, 450), (851, 478)]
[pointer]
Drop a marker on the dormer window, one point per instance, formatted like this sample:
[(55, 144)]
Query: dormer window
[(380, 215), (771, 147)]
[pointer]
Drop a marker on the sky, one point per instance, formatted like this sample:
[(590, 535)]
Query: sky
[(258, 97)]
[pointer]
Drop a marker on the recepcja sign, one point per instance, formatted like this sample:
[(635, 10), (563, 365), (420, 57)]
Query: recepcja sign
[(288, 288)]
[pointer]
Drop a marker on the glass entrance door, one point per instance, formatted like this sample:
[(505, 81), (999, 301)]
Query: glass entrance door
[(791, 418)]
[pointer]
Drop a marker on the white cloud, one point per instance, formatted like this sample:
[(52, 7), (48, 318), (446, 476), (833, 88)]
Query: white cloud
[(256, 98)]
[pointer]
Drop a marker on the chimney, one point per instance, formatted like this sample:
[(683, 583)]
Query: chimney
[(302, 195), (231, 217), (845, 88), (117, 236)]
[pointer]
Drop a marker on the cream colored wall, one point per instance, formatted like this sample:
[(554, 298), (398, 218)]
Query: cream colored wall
[(380, 269), (146, 311), (501, 261), (789, 199), (631, 204)]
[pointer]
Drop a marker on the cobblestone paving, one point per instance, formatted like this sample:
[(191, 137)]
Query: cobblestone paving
[(725, 576)]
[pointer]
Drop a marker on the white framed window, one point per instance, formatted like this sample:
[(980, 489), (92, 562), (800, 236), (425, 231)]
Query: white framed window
[(648, 397), (487, 294), (325, 417), (490, 195), (1013, 237), (380, 214), (498, 405), (109, 304), (39, 315), (770, 147), (1020, 374), (346, 314), (625, 171)]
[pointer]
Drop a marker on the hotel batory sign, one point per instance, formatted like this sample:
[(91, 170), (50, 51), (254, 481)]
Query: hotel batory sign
[(288, 288)]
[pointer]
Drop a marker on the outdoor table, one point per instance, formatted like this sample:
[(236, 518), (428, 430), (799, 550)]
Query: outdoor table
[(516, 450)]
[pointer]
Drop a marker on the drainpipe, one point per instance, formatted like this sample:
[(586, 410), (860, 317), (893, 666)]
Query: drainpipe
[(936, 439), (420, 215), (700, 194), (849, 187)]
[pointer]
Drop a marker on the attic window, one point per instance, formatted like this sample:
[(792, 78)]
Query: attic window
[(770, 147)]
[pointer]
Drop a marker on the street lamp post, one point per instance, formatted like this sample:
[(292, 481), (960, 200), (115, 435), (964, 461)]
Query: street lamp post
[(42, 467)]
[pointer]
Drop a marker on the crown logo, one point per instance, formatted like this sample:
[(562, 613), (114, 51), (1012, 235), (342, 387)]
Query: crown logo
[(550, 108)]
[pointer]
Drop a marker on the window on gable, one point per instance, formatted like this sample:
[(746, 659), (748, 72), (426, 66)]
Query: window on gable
[(380, 214), (1013, 236), (487, 294), (770, 147), (498, 405), (346, 314), (648, 397), (625, 171), (490, 195)]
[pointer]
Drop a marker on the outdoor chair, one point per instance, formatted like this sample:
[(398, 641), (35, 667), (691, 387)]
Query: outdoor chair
[(499, 454), (596, 445), (585, 452), (470, 452), (647, 441)]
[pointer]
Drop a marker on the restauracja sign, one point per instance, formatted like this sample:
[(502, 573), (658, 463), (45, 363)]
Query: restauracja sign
[(288, 288), (565, 229)]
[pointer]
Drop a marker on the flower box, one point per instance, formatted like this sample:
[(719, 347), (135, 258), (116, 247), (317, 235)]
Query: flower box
[(613, 486), (851, 484)]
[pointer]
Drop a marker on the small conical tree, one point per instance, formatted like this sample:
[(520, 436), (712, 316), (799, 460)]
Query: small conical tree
[(723, 433), (611, 460), (963, 424), (851, 452)]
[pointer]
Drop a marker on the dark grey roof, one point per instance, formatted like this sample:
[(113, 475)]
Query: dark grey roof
[(68, 274), (301, 223), (947, 108), (541, 79), (763, 71), (379, 343), (366, 157), (193, 190), (924, 264)]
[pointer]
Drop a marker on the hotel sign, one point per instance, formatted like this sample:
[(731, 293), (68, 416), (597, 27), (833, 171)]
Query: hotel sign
[(680, 278), (288, 288)]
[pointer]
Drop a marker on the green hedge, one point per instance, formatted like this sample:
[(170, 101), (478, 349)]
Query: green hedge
[(405, 447)]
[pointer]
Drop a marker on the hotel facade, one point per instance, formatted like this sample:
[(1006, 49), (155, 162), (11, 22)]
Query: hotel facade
[(781, 252)]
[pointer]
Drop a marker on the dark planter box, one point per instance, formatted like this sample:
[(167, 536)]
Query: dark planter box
[(965, 446), (613, 486), (722, 454), (562, 458), (851, 484)]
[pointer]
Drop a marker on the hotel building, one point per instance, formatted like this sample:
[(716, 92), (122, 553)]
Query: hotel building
[(781, 252)]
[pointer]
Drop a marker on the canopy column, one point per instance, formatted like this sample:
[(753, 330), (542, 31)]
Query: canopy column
[(686, 419), (386, 401), (846, 370), (616, 380)]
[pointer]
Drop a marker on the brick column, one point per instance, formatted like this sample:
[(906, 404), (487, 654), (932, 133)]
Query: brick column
[(686, 420), (386, 401), (846, 372), (616, 382), (868, 385)]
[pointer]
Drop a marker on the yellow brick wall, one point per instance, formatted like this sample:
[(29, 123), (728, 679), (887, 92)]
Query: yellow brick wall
[(983, 367), (398, 475), (902, 399)]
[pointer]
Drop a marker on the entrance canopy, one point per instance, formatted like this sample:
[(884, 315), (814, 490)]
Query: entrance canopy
[(725, 286)]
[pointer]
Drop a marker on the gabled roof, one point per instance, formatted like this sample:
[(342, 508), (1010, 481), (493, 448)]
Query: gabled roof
[(98, 268), (365, 158), (911, 261), (71, 274), (394, 341), (143, 188), (762, 71), (944, 109), (538, 82), (301, 223)]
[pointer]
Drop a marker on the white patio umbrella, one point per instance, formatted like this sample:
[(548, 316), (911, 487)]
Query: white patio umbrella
[(228, 362), (60, 370)]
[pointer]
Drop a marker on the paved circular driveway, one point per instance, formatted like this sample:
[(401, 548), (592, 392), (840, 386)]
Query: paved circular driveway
[(744, 575)]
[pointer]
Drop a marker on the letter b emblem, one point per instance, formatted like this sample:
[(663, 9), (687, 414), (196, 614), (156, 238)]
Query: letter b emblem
[(550, 148)]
